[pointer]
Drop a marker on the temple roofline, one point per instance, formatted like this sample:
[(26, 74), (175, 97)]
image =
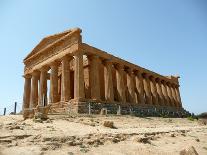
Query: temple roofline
[(94, 50)]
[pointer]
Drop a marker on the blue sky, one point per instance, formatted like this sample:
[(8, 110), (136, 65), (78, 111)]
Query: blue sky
[(166, 36)]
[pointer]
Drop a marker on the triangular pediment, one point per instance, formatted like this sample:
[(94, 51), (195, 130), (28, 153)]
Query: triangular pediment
[(47, 41)]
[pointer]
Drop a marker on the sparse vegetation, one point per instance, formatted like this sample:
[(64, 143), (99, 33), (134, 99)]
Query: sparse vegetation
[(190, 118)]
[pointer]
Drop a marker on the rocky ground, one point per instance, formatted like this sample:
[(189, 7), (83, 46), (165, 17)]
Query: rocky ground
[(121, 135)]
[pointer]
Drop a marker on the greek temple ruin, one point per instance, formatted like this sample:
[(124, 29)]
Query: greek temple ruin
[(69, 75)]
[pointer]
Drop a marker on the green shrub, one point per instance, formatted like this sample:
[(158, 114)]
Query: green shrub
[(190, 118)]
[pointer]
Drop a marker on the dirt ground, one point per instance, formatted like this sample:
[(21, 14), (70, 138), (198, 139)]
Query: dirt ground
[(74, 135)]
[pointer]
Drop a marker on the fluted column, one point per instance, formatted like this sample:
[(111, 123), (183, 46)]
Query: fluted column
[(54, 82), (109, 91), (154, 91), (164, 90), (140, 88), (34, 90), (27, 91), (174, 96), (148, 97), (65, 79), (43, 86), (170, 94), (131, 86), (120, 83), (78, 76), (94, 80), (178, 96), (160, 93)]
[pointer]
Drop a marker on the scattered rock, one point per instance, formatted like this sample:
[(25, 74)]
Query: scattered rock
[(12, 127), (189, 151), (5, 140), (70, 153), (109, 124), (145, 140), (84, 150), (38, 120), (172, 135)]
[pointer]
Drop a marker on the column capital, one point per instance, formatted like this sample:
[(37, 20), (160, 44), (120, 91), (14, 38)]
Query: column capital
[(92, 57), (163, 82), (35, 73), (107, 62), (145, 75), (78, 53), (119, 66), (66, 58), (129, 70), (138, 73), (158, 80), (44, 68), (169, 84), (27, 76), (152, 78), (54, 63)]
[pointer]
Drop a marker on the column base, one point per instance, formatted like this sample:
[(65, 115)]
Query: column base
[(28, 113), (89, 106)]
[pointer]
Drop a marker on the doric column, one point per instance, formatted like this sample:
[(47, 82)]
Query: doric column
[(140, 88), (34, 90), (178, 95), (78, 76), (170, 94), (120, 83), (65, 79), (147, 90), (154, 91), (43, 86), (160, 93), (27, 90), (109, 90), (94, 80), (131, 86), (54, 83), (174, 96), (164, 90)]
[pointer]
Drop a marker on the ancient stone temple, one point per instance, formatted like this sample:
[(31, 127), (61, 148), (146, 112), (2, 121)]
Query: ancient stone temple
[(73, 76)]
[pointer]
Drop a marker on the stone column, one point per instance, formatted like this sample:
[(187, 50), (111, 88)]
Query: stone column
[(140, 88), (109, 90), (170, 94), (178, 96), (54, 83), (120, 83), (27, 90), (164, 90), (131, 86), (147, 90), (94, 80), (174, 96), (34, 90), (65, 79), (78, 76), (43, 86), (160, 93), (154, 91)]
